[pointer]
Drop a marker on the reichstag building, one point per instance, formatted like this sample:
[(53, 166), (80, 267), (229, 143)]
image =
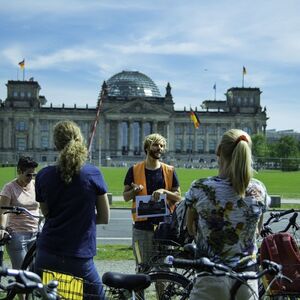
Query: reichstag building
[(132, 107)]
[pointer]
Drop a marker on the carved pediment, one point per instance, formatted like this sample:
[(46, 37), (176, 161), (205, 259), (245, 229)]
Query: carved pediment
[(138, 107)]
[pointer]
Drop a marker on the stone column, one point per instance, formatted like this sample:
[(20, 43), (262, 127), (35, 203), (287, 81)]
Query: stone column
[(195, 141), (107, 135), (171, 136), (119, 144), (184, 138), (142, 134), (154, 127), (9, 134), (206, 140), (51, 143), (36, 130), (130, 135), (30, 134)]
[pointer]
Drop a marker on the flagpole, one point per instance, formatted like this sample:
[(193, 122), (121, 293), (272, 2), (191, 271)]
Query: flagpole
[(244, 72), (24, 73), (215, 92)]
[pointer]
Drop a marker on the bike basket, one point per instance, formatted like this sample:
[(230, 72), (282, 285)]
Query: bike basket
[(69, 287)]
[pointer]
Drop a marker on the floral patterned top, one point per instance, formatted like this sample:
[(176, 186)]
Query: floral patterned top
[(226, 226)]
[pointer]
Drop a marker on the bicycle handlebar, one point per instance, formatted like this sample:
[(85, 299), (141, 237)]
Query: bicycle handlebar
[(278, 215), (210, 268), (28, 281), (292, 222), (19, 210)]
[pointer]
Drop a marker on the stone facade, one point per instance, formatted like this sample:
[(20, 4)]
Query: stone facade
[(26, 122)]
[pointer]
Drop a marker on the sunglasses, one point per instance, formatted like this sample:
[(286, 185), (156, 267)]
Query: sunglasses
[(30, 175)]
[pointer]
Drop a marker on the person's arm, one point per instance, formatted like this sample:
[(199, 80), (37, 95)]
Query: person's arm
[(191, 221), (173, 195), (102, 209), (4, 201), (44, 209), (130, 191)]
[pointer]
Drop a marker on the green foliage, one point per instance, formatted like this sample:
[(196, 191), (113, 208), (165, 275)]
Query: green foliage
[(259, 145), (287, 147)]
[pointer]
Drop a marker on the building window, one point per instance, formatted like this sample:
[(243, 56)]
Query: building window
[(21, 126), (178, 129), (124, 137), (136, 138), (15, 94), (189, 148), (178, 145), (247, 129), (212, 130), (21, 144), (212, 146), (190, 129), (29, 94), (201, 130), (44, 158), (147, 128), (44, 142), (44, 126), (200, 146), (22, 94)]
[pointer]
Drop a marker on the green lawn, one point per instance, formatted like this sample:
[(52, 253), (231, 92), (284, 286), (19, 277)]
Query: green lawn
[(286, 184)]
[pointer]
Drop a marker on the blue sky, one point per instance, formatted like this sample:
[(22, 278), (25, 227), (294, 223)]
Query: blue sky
[(71, 47)]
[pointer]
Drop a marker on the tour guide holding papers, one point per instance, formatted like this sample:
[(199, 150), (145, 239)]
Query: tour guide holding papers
[(150, 177)]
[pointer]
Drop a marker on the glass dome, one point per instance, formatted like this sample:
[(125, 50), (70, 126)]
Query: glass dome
[(132, 84)]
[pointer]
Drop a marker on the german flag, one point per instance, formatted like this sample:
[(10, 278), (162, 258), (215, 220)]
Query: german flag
[(194, 118), (22, 64)]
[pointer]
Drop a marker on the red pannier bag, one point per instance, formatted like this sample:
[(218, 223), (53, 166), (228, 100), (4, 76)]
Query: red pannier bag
[(282, 248)]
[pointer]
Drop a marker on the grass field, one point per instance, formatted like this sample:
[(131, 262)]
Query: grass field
[(286, 184)]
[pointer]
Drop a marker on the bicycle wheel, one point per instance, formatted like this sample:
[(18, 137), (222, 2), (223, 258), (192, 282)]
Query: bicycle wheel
[(168, 285)]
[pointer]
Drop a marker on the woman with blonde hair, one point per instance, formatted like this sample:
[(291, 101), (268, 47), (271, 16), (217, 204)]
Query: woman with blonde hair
[(225, 214), (73, 199)]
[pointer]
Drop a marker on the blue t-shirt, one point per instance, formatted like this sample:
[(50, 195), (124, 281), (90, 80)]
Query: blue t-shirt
[(70, 227)]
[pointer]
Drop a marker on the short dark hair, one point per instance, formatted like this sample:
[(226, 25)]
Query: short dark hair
[(25, 163)]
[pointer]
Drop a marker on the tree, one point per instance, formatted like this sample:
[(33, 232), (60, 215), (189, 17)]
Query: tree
[(287, 149), (259, 145), (259, 149)]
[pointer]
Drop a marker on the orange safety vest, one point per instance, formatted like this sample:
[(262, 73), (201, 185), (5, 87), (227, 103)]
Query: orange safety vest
[(139, 177)]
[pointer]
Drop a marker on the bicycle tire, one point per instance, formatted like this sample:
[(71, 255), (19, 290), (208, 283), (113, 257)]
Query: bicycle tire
[(168, 285)]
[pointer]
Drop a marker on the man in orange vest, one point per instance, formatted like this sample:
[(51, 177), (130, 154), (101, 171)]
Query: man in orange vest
[(150, 177)]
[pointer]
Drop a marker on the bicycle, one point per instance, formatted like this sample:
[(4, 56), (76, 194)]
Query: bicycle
[(289, 257), (276, 217), (206, 267)]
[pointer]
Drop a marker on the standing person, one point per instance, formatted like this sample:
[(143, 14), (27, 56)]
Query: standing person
[(73, 199), (149, 177), (225, 214), (23, 229)]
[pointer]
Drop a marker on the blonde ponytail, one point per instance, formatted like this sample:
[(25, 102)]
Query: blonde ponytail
[(73, 152), (235, 151)]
